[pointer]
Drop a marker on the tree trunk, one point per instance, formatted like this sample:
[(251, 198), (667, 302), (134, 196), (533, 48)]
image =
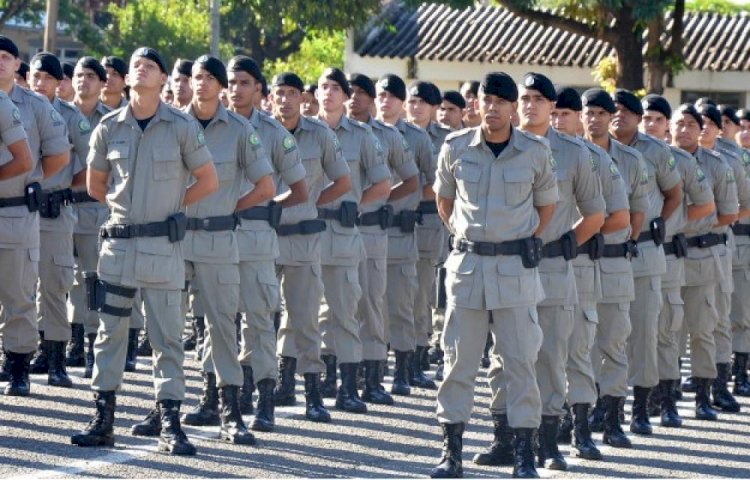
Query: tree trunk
[(627, 39)]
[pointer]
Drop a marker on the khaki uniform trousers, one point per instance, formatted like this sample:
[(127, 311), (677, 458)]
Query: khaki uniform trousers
[(671, 320), (219, 287), (701, 314), (740, 312), (87, 250), (338, 315), (724, 289), (431, 235), (609, 358), (578, 369), (18, 324), (401, 287), (259, 298), (371, 308), (643, 365), (165, 325), (556, 322), (55, 280)]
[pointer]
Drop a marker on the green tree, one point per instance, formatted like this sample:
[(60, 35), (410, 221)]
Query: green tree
[(318, 51)]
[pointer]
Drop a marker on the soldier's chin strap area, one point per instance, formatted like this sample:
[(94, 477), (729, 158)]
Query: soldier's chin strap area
[(96, 293)]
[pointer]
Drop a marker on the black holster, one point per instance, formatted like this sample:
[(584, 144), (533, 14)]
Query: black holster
[(441, 296), (531, 253), (569, 245), (177, 226), (349, 214), (96, 295), (658, 230), (33, 196), (596, 246), (632, 247), (679, 241), (409, 220), (274, 214)]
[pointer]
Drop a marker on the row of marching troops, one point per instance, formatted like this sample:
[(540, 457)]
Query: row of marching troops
[(575, 244)]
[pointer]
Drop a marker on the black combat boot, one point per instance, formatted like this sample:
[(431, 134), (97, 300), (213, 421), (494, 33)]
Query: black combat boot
[(548, 444), (207, 411), (669, 415), (58, 374), (596, 418), (639, 421), (314, 408), (722, 397), (361, 375), (19, 384), (400, 384), (264, 420), (76, 348), (565, 430), (435, 354), (523, 453), (40, 363), (654, 401), (284, 393), (424, 359), (88, 371), (100, 430), (613, 434), (328, 385), (582, 442), (501, 449), (485, 362), (689, 385), (150, 426), (374, 391), (248, 388), (703, 408), (233, 429), (144, 346), (417, 378), (741, 383), (450, 464), (347, 398), (4, 366), (172, 439), (131, 355)]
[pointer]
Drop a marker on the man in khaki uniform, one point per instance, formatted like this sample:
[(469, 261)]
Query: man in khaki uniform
[(89, 77), (579, 213), (374, 227), (470, 91), (56, 225), (492, 269), (258, 244), (402, 285), (139, 163), (697, 203), (113, 93), (610, 359), (706, 241), (451, 110), (181, 85), (299, 242), (665, 196), (342, 249)]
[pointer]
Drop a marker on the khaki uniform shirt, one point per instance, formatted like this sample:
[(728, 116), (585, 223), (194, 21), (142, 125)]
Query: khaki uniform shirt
[(629, 162), (238, 157), (494, 201), (18, 227), (91, 216), (149, 170)]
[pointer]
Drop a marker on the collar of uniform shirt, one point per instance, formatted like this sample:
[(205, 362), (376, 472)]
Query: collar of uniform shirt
[(478, 140), (221, 114), (16, 94), (126, 114)]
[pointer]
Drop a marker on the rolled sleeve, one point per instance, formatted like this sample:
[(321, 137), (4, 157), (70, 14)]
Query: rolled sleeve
[(667, 174), (97, 157), (53, 134), (11, 127), (195, 153), (253, 157), (445, 182), (334, 164), (545, 183), (588, 188)]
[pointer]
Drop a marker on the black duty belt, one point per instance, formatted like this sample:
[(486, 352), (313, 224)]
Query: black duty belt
[(346, 214), (305, 227), (382, 217), (270, 214), (214, 224), (621, 250), (565, 246), (51, 201), (81, 197), (677, 247), (594, 247), (529, 249), (657, 231), (708, 240), (645, 237), (406, 220), (741, 229), (173, 228), (13, 202), (427, 207), (32, 199)]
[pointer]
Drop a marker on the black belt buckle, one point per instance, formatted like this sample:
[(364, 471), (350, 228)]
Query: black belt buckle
[(658, 230), (274, 214), (176, 227), (531, 252), (569, 245), (631, 248), (348, 214), (385, 217), (33, 195), (679, 242)]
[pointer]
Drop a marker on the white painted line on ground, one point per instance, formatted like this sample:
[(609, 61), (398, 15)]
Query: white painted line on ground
[(78, 467)]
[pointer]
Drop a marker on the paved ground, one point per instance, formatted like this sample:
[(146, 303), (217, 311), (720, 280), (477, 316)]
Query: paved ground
[(400, 441)]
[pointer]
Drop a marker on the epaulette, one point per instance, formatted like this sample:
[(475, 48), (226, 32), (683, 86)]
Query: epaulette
[(532, 137), (237, 118), (111, 114), (570, 139), (459, 134)]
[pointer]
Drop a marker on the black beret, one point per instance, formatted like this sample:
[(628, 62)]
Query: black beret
[(242, 63), (501, 85), (568, 98), (394, 85), (711, 112), (288, 79), (68, 69), (744, 114), (472, 86), (688, 109), (437, 97), (336, 75), (596, 97), (628, 100), (425, 91), (704, 101), (117, 64), (183, 67), (93, 64), (8, 45), (364, 82), (264, 86), (23, 69), (47, 62), (540, 83), (215, 67), (310, 88), (730, 113), (151, 54), (455, 98), (657, 103)]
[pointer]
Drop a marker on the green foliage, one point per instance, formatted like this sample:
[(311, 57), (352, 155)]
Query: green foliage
[(724, 7), (319, 50), (605, 73)]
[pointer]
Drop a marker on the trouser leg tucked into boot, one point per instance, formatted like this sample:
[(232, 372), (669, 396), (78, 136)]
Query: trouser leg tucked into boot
[(703, 408), (100, 430), (131, 356), (400, 384), (450, 465), (248, 387), (207, 411), (233, 429), (150, 426), (314, 408), (58, 374), (613, 434), (172, 439), (741, 384), (639, 422), (284, 392), (264, 419), (347, 398), (669, 415), (328, 385), (548, 444), (722, 397), (19, 384), (582, 442), (76, 348), (523, 453), (374, 391), (88, 371), (501, 449), (654, 401)]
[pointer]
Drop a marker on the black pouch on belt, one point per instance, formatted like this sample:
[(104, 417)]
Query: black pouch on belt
[(177, 226), (349, 214), (658, 230), (531, 253)]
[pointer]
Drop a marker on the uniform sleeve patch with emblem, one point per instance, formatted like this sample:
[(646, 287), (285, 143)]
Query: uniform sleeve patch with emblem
[(730, 176), (405, 143), (84, 125), (745, 158), (16, 116), (671, 162), (553, 162), (614, 171), (56, 118), (254, 140), (201, 138), (289, 143), (644, 177), (594, 162), (378, 146), (700, 175)]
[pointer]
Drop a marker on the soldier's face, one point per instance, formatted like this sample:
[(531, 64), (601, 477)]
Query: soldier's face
[(710, 133), (417, 110), (286, 102), (728, 128), (654, 123), (242, 90), (145, 74), (496, 112), (330, 95), (450, 115), (310, 106), (206, 87), (596, 121), (625, 122), (115, 84), (534, 108), (65, 89), (43, 83), (181, 87), (471, 114), (389, 105), (566, 120), (685, 131), (8, 66), (743, 136), (360, 103), (86, 83)]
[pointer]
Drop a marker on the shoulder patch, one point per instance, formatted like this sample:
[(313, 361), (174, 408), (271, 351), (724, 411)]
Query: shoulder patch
[(613, 170), (289, 143), (553, 162), (56, 118), (730, 176), (699, 174), (378, 145), (254, 140), (671, 162), (84, 126), (745, 158), (594, 161), (16, 116), (201, 138), (644, 176)]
